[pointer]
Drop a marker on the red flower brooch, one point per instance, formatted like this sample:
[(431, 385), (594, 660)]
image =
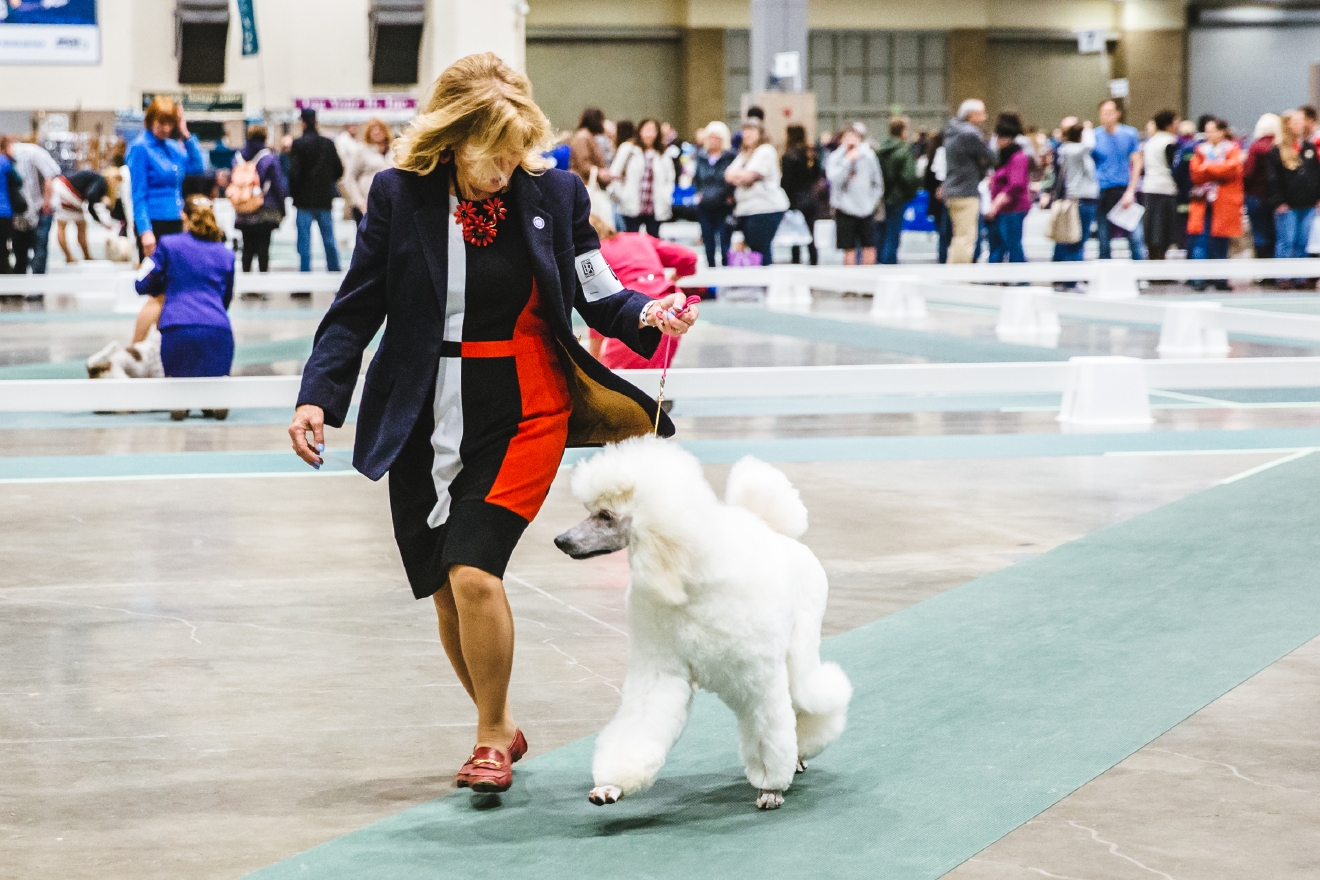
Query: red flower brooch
[(479, 220)]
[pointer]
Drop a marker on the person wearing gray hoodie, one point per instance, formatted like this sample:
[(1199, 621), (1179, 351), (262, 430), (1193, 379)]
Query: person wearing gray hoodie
[(968, 157), (856, 187)]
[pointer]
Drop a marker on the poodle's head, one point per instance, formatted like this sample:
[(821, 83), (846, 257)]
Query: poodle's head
[(640, 486)]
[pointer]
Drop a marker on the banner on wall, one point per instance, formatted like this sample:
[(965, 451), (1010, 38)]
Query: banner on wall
[(49, 32)]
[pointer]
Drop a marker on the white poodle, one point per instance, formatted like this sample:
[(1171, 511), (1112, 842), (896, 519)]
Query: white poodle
[(722, 597)]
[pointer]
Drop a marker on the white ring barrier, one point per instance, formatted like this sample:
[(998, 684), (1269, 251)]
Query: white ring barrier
[(1030, 314), (1111, 279), (1099, 392), (114, 289)]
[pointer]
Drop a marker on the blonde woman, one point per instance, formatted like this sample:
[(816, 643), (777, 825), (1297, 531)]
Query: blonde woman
[(759, 202), (1292, 191), (373, 157), (477, 252)]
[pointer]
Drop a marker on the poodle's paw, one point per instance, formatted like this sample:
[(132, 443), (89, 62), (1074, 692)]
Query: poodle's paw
[(801, 766), (605, 794), (770, 800)]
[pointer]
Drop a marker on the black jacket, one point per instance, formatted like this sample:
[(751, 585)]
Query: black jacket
[(400, 269), (1299, 188), (314, 169), (708, 181)]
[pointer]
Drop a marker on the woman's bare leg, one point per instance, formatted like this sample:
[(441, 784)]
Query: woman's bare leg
[(485, 626), (63, 241), (82, 240), (148, 316), (447, 614)]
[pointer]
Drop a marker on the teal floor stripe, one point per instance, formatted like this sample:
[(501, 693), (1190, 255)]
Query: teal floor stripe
[(786, 449), (938, 347), (973, 712)]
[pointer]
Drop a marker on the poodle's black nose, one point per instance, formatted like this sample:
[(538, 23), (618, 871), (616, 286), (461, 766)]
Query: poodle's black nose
[(564, 543)]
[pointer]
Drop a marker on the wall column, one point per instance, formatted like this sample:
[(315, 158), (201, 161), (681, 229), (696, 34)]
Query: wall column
[(703, 78), (455, 28), (969, 67)]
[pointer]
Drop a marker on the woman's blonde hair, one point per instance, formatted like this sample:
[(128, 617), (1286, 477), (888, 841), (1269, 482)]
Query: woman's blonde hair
[(752, 122), (1287, 154), (482, 103), (374, 123), (199, 219)]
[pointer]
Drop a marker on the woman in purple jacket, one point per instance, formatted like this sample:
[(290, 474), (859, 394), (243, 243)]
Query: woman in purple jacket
[(190, 279), (1010, 192)]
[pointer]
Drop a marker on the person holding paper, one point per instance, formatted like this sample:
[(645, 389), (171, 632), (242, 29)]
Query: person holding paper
[(1118, 166), (1215, 213)]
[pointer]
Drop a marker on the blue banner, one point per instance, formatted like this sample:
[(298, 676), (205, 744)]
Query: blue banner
[(247, 18), (49, 32)]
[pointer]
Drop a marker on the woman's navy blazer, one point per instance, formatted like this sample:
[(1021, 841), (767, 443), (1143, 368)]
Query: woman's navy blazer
[(400, 271)]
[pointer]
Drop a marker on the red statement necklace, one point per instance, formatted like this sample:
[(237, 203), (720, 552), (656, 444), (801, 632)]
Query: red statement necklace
[(480, 220)]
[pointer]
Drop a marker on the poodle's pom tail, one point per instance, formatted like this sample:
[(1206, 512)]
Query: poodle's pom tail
[(822, 709), (766, 492), (826, 690)]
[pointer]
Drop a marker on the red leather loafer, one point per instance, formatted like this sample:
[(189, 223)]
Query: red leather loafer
[(473, 772), (488, 770)]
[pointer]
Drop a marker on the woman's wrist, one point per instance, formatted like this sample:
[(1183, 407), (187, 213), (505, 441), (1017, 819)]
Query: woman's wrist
[(644, 319)]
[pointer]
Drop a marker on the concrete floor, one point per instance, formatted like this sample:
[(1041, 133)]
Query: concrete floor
[(199, 677), (204, 676)]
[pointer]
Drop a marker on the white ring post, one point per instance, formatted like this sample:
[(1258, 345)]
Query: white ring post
[(779, 293), (1192, 329), (896, 299), (127, 301), (1105, 394), (1027, 316), (1114, 279)]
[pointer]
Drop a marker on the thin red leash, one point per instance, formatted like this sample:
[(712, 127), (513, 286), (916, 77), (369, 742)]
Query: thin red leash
[(669, 344)]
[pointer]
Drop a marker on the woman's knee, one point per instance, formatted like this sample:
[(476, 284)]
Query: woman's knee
[(472, 586)]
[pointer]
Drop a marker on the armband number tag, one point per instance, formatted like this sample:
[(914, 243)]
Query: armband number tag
[(598, 279), (145, 269)]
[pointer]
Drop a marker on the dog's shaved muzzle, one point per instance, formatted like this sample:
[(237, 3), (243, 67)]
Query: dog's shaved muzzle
[(598, 534)]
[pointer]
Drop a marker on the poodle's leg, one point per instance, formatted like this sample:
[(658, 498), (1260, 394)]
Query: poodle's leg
[(768, 741), (632, 748), (821, 691)]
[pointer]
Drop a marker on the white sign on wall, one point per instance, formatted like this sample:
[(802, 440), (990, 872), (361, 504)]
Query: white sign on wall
[(1091, 42), (49, 32)]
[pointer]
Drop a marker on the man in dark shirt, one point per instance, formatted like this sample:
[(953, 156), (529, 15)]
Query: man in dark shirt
[(314, 172)]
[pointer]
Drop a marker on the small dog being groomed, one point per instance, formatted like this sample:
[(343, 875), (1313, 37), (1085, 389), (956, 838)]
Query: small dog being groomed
[(722, 597)]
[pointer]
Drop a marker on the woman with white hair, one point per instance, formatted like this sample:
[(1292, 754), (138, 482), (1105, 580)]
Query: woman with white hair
[(1255, 181), (714, 195), (476, 250)]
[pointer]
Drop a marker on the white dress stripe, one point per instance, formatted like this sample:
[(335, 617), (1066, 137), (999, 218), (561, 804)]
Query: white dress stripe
[(448, 405)]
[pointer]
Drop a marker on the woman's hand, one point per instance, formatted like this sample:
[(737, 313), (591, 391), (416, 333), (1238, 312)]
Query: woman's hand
[(182, 124), (659, 315), (308, 417), (148, 243)]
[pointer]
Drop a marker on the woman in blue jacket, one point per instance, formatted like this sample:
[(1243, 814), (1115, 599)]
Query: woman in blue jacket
[(190, 279), (157, 164), (6, 206)]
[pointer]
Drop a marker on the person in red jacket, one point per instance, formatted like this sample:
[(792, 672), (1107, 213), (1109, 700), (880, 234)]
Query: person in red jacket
[(1214, 215), (640, 262)]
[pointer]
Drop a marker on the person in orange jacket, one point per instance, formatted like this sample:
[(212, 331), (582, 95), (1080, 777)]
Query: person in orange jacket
[(1215, 212)]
